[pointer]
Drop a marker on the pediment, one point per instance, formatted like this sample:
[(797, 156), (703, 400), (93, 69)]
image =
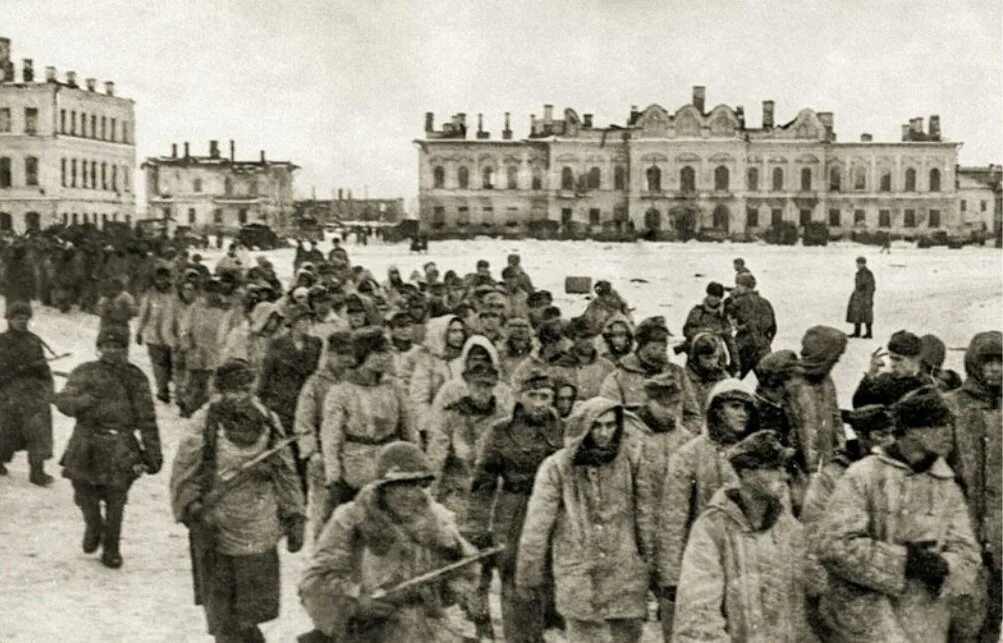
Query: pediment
[(688, 121), (723, 121), (654, 121)]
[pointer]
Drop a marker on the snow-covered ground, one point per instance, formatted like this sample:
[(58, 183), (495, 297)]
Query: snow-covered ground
[(51, 591)]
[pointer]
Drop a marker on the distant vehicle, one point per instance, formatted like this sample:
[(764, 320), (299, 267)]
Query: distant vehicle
[(258, 235)]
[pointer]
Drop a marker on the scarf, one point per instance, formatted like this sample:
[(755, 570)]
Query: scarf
[(590, 454), (893, 451)]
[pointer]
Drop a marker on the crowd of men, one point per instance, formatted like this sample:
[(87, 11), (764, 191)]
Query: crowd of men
[(397, 428)]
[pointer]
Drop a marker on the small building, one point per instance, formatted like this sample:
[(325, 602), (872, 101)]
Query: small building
[(219, 193), (67, 150), (981, 198)]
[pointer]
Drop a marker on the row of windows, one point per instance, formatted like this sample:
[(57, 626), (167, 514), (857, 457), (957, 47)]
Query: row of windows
[(983, 205), (93, 175), (92, 126), (7, 171), (592, 180), (32, 221), (30, 120)]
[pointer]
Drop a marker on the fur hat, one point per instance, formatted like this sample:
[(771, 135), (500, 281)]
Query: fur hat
[(777, 365), (297, 312), (905, 343), (760, 450), (580, 327), (366, 340), (402, 462), (114, 335), (924, 407), (233, 375), (551, 331), (539, 298), (933, 351), (652, 329), (340, 342), (745, 279), (715, 289), (481, 372), (662, 386), (873, 417), (535, 378), (18, 307)]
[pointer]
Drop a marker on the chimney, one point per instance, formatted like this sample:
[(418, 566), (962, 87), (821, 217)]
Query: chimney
[(587, 120), (768, 114), (481, 134), (214, 149), (233, 151), (634, 114), (906, 130), (50, 74), (186, 149), (507, 132), (92, 84), (699, 97), (28, 70), (532, 124), (740, 115), (917, 124), (935, 127), (429, 121), (548, 114), (71, 78), (461, 119), (263, 156), (174, 150), (866, 138), (827, 121)]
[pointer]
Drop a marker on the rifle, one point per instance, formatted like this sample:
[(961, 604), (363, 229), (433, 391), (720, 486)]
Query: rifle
[(232, 477), (436, 574)]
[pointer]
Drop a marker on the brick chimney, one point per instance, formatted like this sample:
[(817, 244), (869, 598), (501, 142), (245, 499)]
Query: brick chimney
[(481, 134), (429, 121), (740, 115), (507, 132), (263, 160), (532, 124), (906, 130), (109, 87), (214, 149), (174, 150), (233, 151), (916, 124), (92, 84), (50, 74), (634, 114), (587, 121), (28, 70), (866, 138), (699, 97), (935, 127), (768, 106), (548, 114), (186, 149), (71, 78)]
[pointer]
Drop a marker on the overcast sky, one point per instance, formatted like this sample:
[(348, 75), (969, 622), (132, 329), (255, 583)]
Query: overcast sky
[(341, 88)]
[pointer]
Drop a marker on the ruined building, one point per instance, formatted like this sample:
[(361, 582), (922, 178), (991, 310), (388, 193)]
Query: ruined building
[(216, 192), (695, 171), (67, 149)]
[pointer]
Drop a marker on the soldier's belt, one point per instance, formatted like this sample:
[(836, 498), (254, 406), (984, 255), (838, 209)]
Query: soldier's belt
[(371, 441)]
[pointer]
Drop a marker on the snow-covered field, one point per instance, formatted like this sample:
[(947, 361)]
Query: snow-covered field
[(51, 591)]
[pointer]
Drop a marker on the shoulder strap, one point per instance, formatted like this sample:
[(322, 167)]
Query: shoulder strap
[(207, 468)]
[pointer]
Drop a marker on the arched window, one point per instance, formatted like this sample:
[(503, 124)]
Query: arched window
[(463, 177), (805, 179), (438, 177), (32, 221), (537, 178), (488, 178), (594, 178), (910, 180), (778, 179), (513, 177), (835, 179), (886, 181), (752, 180), (567, 178), (721, 178), (619, 178), (654, 176), (935, 180), (859, 178), (687, 179)]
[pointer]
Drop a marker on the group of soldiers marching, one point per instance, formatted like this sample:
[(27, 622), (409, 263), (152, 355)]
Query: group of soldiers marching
[(417, 436)]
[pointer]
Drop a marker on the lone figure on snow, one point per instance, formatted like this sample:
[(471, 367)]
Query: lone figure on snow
[(860, 310)]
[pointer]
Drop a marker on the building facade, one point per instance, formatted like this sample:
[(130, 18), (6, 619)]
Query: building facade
[(980, 194), (346, 208), (67, 152), (212, 193), (691, 172)]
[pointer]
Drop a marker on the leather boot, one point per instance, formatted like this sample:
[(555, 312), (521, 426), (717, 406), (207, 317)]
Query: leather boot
[(38, 476), (92, 536)]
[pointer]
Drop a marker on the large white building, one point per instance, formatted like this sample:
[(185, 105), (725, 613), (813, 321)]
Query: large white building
[(67, 151), (683, 173), (216, 192)]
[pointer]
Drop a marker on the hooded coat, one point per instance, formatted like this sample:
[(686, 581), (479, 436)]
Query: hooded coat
[(433, 367), (701, 379), (283, 373), (695, 472), (594, 522), (860, 309), (704, 318), (606, 351), (740, 582), (198, 337), (817, 423), (156, 317), (247, 341), (26, 386), (878, 506), (586, 376), (361, 414), (977, 456), (363, 548), (626, 385)]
